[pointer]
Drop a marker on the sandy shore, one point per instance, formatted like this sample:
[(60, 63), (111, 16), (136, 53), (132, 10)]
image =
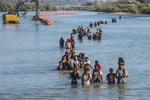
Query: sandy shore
[(121, 13)]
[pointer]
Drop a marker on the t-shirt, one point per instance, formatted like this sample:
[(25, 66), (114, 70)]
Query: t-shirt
[(87, 80), (121, 73), (95, 74), (75, 76), (99, 67), (120, 76), (88, 62), (77, 62), (70, 64), (61, 41), (111, 77), (68, 45)]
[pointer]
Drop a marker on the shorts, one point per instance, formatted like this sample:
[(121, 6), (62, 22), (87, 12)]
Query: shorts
[(101, 73)]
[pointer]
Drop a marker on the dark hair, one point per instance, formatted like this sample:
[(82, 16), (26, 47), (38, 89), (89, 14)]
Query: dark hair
[(67, 57), (86, 70), (87, 64), (63, 57), (60, 62), (96, 61), (119, 67), (120, 60), (86, 57), (83, 54), (111, 69)]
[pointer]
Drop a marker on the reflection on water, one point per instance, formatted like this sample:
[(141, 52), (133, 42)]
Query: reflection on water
[(8, 28), (28, 59), (74, 86), (37, 27), (10, 25), (121, 89)]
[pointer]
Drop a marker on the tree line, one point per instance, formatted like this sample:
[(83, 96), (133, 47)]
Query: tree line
[(11, 6), (140, 1), (130, 8)]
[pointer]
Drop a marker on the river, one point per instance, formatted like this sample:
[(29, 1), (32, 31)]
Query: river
[(29, 54)]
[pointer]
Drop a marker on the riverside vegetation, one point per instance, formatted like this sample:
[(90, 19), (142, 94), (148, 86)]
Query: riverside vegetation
[(8, 6), (129, 8), (136, 8), (115, 7)]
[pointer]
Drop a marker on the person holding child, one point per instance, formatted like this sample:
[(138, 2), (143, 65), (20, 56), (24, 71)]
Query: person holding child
[(121, 73)]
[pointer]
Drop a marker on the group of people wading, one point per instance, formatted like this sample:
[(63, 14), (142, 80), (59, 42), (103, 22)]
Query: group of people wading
[(82, 32), (73, 62)]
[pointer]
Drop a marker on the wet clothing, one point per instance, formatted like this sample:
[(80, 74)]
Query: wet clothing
[(74, 78), (88, 62), (62, 41), (95, 36), (85, 64), (98, 23), (91, 25), (64, 66), (80, 36), (59, 67), (77, 62), (70, 64), (111, 78), (74, 82), (86, 81), (89, 35), (73, 43), (68, 45), (96, 76), (120, 76), (99, 67), (74, 31)]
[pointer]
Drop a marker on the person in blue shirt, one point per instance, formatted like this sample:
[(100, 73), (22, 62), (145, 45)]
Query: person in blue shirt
[(61, 42)]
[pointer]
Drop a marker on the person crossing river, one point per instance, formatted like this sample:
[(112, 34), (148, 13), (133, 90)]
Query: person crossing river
[(72, 61)]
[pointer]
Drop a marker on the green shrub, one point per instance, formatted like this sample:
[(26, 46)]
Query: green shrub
[(145, 10), (115, 7)]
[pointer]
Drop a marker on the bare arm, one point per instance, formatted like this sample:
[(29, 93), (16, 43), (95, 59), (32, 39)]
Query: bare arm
[(117, 73), (126, 74)]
